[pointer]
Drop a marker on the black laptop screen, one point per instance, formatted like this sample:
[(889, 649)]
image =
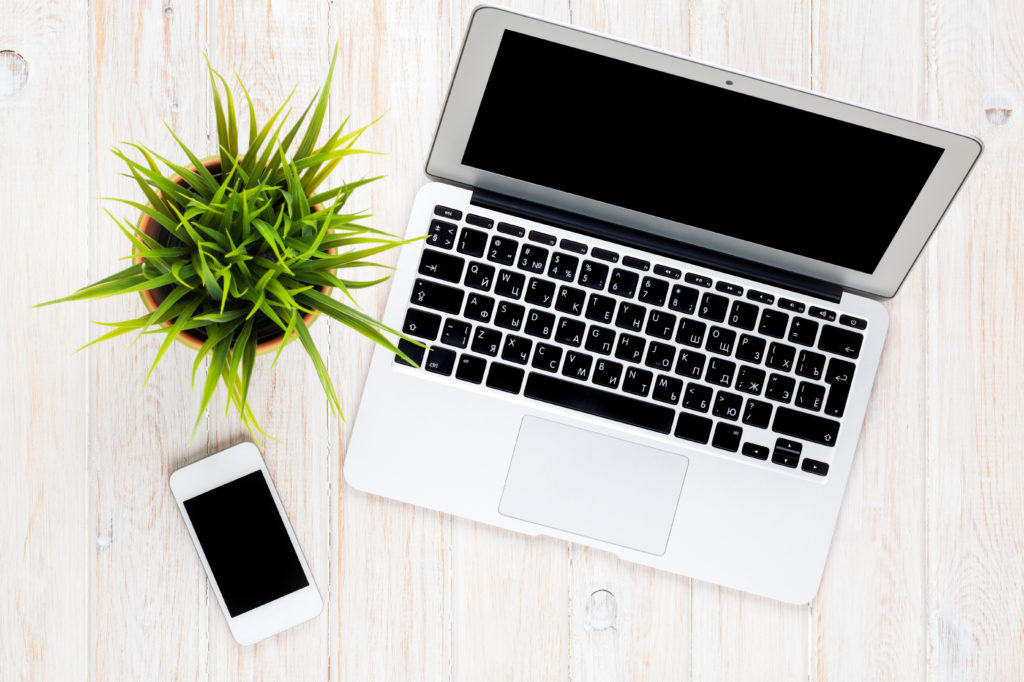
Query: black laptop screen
[(694, 153)]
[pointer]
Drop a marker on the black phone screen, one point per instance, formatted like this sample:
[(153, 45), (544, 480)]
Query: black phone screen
[(246, 543)]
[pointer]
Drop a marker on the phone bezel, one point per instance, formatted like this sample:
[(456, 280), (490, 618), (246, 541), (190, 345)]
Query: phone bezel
[(275, 616)]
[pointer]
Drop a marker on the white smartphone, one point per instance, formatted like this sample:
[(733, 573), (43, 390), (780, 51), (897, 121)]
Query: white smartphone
[(246, 544)]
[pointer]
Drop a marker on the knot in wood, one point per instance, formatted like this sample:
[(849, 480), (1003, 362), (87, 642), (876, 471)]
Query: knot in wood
[(601, 610), (13, 73)]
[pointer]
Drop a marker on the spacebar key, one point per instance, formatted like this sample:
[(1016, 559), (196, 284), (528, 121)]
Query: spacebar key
[(807, 426), (598, 403)]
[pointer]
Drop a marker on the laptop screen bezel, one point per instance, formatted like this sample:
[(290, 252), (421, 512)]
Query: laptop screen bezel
[(487, 26)]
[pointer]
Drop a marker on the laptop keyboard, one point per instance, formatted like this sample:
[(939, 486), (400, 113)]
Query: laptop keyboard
[(629, 340)]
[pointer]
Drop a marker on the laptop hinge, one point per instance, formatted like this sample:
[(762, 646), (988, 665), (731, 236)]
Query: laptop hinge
[(657, 244)]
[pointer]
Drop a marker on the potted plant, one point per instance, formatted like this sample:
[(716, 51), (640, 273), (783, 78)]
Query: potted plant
[(237, 254)]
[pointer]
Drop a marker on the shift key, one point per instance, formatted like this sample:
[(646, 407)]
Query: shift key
[(806, 426), (437, 296)]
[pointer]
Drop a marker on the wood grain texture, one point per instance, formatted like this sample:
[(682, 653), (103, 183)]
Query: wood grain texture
[(44, 481), (924, 580), (870, 619)]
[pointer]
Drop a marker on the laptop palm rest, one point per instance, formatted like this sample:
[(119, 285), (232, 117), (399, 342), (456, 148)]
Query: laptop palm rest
[(594, 485)]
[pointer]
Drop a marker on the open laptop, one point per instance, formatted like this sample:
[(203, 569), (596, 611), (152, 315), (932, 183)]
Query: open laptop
[(649, 287)]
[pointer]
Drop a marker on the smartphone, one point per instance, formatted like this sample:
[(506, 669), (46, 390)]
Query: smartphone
[(246, 544)]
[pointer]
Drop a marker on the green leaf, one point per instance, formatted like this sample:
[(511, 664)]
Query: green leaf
[(318, 363)]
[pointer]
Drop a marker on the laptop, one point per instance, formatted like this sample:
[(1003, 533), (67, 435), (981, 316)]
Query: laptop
[(650, 291)]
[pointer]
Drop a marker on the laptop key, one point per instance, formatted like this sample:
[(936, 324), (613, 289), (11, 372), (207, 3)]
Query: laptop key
[(789, 304), (437, 296), (607, 373), (813, 466), (593, 275), (631, 316), (570, 300), (727, 437), (441, 265), (412, 351), (421, 323), (445, 212), (660, 324), (729, 288), (440, 361), (786, 459), (660, 355), (773, 323), (822, 314), (637, 381), (516, 349), (665, 271), (683, 299), (600, 339), (721, 341), (563, 267), (840, 341), (510, 316), (540, 292), (472, 243), (533, 258), (803, 331), (636, 263), (743, 315), (600, 308), (780, 356), (750, 380), (506, 228), (604, 254), (727, 405), (479, 307), (505, 377), (850, 321), (542, 238), (510, 284), (839, 377), (470, 368), (502, 250), (598, 402), (697, 397), (653, 291), (805, 426), (780, 388), (757, 413), (692, 427), (479, 221), (486, 341), (570, 331), (547, 357), (750, 348), (810, 396), (623, 283), (720, 372), (699, 280), (713, 307), (667, 389), (479, 276), (760, 297), (691, 332), (540, 323), (442, 234), (570, 245), (690, 364), (456, 333), (810, 364), (754, 450), (630, 348)]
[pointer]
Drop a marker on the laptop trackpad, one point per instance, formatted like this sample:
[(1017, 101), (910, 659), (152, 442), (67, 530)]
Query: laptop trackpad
[(594, 485)]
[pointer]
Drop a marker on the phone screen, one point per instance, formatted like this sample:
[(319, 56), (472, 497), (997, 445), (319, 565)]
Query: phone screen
[(246, 543)]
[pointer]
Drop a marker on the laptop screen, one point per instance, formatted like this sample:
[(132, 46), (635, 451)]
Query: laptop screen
[(694, 153)]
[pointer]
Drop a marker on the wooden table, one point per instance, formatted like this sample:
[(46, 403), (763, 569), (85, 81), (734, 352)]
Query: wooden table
[(926, 574)]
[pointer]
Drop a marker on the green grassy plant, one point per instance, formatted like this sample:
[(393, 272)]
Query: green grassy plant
[(244, 253)]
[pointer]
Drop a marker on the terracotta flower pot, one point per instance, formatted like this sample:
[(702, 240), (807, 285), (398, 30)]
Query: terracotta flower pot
[(268, 334)]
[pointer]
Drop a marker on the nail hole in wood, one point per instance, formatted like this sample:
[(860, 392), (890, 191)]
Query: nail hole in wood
[(998, 107), (601, 610), (13, 73), (168, 11)]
